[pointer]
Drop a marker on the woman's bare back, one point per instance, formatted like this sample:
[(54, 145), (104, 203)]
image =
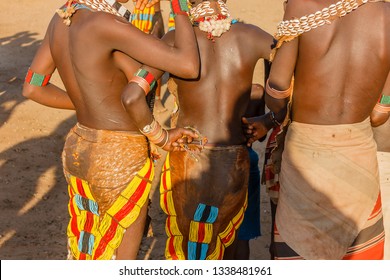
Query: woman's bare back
[(342, 67), (215, 103), (95, 91)]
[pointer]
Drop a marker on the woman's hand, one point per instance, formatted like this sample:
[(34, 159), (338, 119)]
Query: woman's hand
[(178, 138), (141, 4), (254, 128)]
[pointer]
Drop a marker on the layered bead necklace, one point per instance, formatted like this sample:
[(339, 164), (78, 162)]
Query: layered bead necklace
[(296, 27), (206, 18), (107, 6), (287, 30)]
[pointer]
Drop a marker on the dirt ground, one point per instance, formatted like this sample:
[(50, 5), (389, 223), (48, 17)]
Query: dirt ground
[(33, 193)]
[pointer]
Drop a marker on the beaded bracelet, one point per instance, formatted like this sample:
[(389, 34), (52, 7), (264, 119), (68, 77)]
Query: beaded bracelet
[(155, 133), (144, 79), (166, 140), (278, 94), (179, 7), (37, 79)]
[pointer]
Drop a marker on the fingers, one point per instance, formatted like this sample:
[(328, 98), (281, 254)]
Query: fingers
[(188, 139), (182, 140), (175, 144), (247, 127), (246, 124), (180, 137), (189, 133), (250, 141), (152, 2), (141, 4), (248, 130)]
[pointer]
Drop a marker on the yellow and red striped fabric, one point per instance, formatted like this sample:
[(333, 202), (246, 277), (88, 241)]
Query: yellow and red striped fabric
[(94, 235), (200, 231), (143, 19)]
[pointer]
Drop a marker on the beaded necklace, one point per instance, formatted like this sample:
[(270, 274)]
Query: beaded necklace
[(204, 9), (204, 17), (107, 6), (289, 29)]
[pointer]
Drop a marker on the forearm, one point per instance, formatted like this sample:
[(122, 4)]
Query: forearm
[(37, 85), (157, 74), (49, 95), (277, 100), (133, 100), (273, 119), (280, 83), (276, 105)]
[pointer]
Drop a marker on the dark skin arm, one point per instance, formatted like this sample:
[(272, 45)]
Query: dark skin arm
[(283, 65), (255, 111), (379, 118), (168, 38), (49, 95), (280, 77), (257, 126), (256, 107), (133, 100), (181, 59), (176, 135)]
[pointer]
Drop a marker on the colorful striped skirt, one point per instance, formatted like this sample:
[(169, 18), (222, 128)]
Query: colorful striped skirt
[(109, 176), (204, 199)]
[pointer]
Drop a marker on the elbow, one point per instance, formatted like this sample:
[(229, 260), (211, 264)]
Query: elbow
[(191, 69), (376, 123), (131, 95), (378, 119), (29, 91)]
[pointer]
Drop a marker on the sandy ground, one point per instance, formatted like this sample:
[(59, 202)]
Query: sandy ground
[(33, 193)]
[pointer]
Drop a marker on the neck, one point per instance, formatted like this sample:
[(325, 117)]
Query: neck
[(212, 18)]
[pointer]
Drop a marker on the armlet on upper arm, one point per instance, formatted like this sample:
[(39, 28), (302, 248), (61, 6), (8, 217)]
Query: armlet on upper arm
[(278, 94), (144, 79), (37, 79), (381, 104)]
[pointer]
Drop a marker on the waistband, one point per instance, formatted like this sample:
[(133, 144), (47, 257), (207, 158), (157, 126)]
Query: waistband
[(363, 123), (92, 134), (214, 146), (338, 134)]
